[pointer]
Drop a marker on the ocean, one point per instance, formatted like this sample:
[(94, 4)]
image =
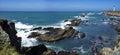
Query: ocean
[(97, 26)]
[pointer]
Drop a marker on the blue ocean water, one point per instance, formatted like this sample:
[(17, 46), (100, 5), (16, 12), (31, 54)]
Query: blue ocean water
[(95, 27)]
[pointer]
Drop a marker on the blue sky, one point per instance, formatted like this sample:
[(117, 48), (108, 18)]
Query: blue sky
[(58, 5)]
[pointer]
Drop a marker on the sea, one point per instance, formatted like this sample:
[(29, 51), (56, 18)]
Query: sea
[(97, 26)]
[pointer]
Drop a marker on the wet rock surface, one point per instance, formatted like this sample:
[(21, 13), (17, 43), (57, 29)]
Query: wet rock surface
[(54, 34)]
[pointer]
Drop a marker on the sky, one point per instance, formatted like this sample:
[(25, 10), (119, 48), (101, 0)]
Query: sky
[(58, 5)]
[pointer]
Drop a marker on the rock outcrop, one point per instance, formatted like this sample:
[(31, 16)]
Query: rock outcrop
[(54, 34), (112, 13), (34, 50), (9, 28)]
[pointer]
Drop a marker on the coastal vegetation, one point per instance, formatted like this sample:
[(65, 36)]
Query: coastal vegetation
[(5, 47)]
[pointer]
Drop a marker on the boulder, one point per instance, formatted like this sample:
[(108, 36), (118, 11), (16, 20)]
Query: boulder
[(106, 51), (81, 34), (117, 28), (66, 20)]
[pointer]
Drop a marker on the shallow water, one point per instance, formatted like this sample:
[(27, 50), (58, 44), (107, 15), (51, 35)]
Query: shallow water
[(95, 27)]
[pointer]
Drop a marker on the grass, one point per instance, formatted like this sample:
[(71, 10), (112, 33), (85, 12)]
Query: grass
[(5, 47)]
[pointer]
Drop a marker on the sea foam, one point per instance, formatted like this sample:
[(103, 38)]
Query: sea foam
[(26, 42)]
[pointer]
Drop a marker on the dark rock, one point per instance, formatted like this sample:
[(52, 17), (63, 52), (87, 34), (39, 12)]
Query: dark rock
[(100, 38), (48, 28), (38, 28), (49, 52), (9, 28), (67, 53), (82, 15), (117, 29), (66, 20), (34, 50), (57, 34), (34, 34), (81, 35)]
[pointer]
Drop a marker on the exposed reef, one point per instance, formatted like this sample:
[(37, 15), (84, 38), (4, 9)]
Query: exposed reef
[(54, 34)]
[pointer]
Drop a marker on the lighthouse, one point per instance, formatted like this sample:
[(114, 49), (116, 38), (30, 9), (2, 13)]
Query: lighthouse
[(114, 8)]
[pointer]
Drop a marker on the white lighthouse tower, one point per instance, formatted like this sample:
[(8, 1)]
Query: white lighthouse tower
[(114, 8)]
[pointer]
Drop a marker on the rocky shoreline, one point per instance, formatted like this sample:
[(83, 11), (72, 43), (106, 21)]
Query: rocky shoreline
[(54, 34), (116, 25), (112, 13)]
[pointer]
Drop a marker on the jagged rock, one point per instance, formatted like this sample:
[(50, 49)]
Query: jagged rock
[(67, 53), (106, 51), (38, 28), (66, 20), (9, 28), (34, 34), (54, 34)]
